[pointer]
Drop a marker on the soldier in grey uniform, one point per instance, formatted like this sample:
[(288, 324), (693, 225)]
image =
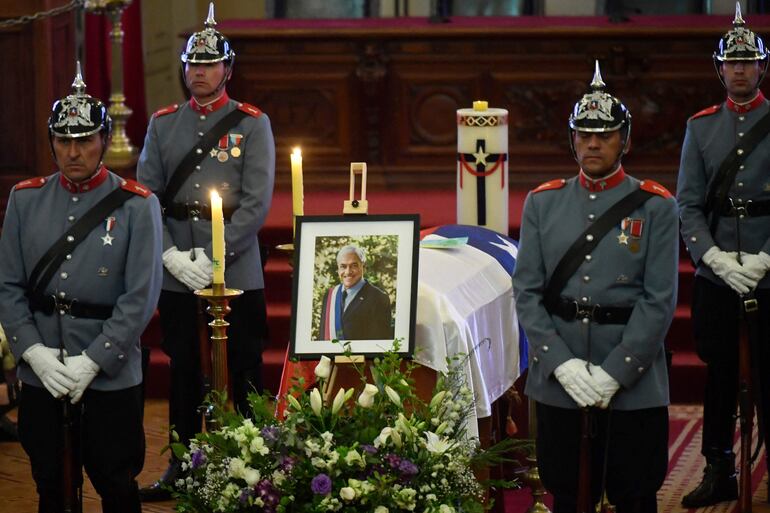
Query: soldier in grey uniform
[(92, 309), (713, 238), (599, 344), (240, 166)]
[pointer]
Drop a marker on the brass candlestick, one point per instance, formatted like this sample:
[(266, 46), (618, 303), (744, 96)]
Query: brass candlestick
[(120, 154), (532, 475), (219, 298)]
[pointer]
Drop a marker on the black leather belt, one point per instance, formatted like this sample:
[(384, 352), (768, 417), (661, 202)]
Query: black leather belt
[(572, 310), (749, 208), (182, 211), (51, 304)]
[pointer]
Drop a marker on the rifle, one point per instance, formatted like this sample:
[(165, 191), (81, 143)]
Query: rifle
[(747, 338), (584, 501), (71, 493)]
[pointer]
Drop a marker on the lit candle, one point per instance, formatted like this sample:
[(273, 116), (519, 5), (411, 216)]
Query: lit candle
[(297, 195), (217, 238)]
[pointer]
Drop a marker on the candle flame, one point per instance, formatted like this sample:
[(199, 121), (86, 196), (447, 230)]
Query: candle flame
[(296, 151), (214, 194)]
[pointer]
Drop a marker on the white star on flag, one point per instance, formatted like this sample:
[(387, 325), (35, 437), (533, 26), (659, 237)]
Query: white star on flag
[(507, 246)]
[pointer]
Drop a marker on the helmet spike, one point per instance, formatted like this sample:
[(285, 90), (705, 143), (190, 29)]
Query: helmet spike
[(738, 21), (210, 21), (597, 84), (78, 86)]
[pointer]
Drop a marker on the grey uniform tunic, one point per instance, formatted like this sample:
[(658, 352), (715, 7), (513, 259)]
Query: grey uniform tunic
[(612, 275), (711, 135), (125, 272), (245, 183)]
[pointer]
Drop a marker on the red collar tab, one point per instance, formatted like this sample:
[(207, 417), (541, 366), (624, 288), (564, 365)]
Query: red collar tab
[(742, 108), (602, 184), (92, 183), (209, 107)]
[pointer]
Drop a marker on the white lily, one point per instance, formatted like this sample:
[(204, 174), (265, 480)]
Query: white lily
[(436, 444), (339, 400), (324, 368), (366, 399), (316, 403), (393, 395)]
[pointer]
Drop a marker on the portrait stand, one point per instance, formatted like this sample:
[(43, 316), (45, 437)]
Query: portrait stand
[(328, 385)]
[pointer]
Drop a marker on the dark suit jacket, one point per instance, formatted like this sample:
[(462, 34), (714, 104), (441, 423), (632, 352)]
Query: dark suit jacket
[(367, 317)]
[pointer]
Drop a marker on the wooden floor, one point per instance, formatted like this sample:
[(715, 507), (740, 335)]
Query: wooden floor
[(17, 489)]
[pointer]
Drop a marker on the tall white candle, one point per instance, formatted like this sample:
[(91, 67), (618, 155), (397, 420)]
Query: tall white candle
[(217, 238)]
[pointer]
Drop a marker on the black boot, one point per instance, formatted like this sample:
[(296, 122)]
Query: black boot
[(159, 490), (719, 484)]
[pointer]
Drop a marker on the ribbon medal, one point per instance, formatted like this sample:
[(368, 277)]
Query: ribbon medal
[(224, 143), (235, 140), (634, 227), (109, 224)]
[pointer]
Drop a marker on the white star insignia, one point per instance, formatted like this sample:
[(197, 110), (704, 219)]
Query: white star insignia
[(623, 239), (481, 157), (107, 240), (507, 246), (213, 153)]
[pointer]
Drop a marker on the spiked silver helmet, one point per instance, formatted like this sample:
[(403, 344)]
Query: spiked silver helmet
[(598, 111), (740, 43), (78, 114), (208, 45)]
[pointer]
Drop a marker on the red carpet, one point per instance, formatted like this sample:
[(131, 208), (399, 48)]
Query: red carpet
[(684, 470)]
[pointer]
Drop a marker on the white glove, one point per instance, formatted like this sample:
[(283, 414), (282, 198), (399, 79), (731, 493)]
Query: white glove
[(759, 263), (56, 378), (85, 369), (726, 266), (579, 384), (185, 270), (607, 383), (204, 264)]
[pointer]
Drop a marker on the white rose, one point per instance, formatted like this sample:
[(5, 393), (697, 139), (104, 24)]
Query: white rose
[(347, 493), (366, 399), (251, 476), (324, 368), (381, 509)]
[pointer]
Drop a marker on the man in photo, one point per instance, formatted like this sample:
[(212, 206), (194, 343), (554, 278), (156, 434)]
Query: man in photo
[(355, 309)]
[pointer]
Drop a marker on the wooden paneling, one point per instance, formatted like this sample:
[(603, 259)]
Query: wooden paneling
[(386, 91)]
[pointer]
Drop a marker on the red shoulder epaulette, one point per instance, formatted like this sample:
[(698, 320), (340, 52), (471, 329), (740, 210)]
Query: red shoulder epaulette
[(166, 110), (655, 188), (550, 185), (707, 111), (135, 187), (32, 183), (250, 109)]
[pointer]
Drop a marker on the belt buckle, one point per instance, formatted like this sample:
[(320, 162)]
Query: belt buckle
[(750, 305), (585, 312), (195, 213)]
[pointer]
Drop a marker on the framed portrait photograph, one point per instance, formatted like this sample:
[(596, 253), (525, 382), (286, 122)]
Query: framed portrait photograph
[(355, 282)]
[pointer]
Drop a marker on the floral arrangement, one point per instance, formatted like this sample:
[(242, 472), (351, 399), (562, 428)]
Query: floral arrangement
[(378, 449)]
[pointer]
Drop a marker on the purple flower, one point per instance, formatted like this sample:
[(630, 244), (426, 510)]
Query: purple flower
[(197, 459), (321, 484), (269, 495), (393, 460), (271, 433), (245, 494), (370, 449), (407, 468), (286, 463)]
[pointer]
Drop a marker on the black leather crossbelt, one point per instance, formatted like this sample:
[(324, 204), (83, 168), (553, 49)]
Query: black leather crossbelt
[(572, 310), (50, 305), (182, 211), (749, 209)]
